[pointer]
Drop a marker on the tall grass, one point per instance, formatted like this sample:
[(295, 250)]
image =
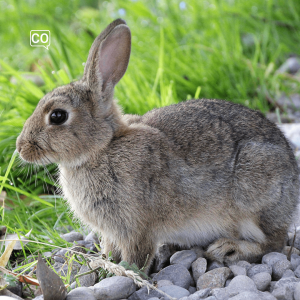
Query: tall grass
[(227, 49)]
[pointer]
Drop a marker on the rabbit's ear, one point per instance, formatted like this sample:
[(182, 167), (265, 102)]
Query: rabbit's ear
[(108, 58)]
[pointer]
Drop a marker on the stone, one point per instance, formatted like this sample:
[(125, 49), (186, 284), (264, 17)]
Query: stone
[(81, 293), (192, 290), (215, 278), (175, 291), (238, 270), (143, 294), (16, 288), (162, 257), (87, 280), (260, 268), (60, 256), (279, 268), (271, 258), (92, 237), (220, 294), (72, 236), (154, 298), (240, 284), (73, 285), (214, 265), (211, 298), (251, 295), (286, 250), (297, 272), (184, 257), (286, 282), (288, 273), (245, 264), (199, 267), (297, 291), (227, 282), (163, 283), (295, 261), (291, 65), (283, 293), (292, 133), (113, 288), (201, 294), (262, 281), (177, 274)]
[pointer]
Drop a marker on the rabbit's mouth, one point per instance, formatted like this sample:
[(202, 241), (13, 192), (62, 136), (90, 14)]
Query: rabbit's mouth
[(32, 152)]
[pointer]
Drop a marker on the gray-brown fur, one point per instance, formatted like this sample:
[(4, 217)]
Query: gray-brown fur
[(204, 172)]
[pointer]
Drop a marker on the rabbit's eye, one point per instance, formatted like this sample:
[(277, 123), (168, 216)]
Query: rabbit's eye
[(58, 117)]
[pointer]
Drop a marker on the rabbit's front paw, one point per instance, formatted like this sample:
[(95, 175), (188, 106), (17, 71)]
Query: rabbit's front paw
[(223, 250)]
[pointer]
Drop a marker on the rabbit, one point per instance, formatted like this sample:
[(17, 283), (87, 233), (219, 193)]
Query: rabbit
[(201, 172)]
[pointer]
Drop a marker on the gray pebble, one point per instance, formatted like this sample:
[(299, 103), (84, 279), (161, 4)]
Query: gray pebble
[(295, 261), (199, 267), (213, 279), (283, 293), (288, 273), (227, 282), (72, 236), (240, 284), (251, 295), (260, 268), (161, 283), (81, 293), (175, 291), (116, 287), (220, 294), (211, 298), (279, 268), (73, 285), (177, 274), (297, 272), (214, 265), (271, 258), (291, 65), (289, 282), (92, 236), (200, 294), (87, 280), (245, 264), (154, 298), (184, 257), (297, 291), (143, 294), (262, 281), (192, 290), (238, 270)]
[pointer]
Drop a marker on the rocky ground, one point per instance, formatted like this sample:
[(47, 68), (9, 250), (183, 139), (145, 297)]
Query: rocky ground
[(187, 275)]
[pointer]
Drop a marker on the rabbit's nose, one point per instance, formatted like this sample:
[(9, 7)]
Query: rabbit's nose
[(19, 143)]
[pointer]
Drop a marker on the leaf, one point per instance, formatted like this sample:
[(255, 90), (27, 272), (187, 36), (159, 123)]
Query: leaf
[(52, 286), (21, 278), (6, 255)]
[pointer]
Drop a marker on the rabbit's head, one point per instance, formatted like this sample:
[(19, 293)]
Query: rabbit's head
[(74, 121)]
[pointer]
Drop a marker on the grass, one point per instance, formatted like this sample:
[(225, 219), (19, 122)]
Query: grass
[(226, 49)]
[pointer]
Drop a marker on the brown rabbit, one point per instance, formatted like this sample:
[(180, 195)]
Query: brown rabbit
[(201, 172)]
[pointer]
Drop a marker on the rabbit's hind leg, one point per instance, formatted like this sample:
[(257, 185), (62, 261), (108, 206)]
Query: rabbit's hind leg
[(229, 251)]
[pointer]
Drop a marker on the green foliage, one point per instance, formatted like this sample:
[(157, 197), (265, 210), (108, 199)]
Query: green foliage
[(226, 49)]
